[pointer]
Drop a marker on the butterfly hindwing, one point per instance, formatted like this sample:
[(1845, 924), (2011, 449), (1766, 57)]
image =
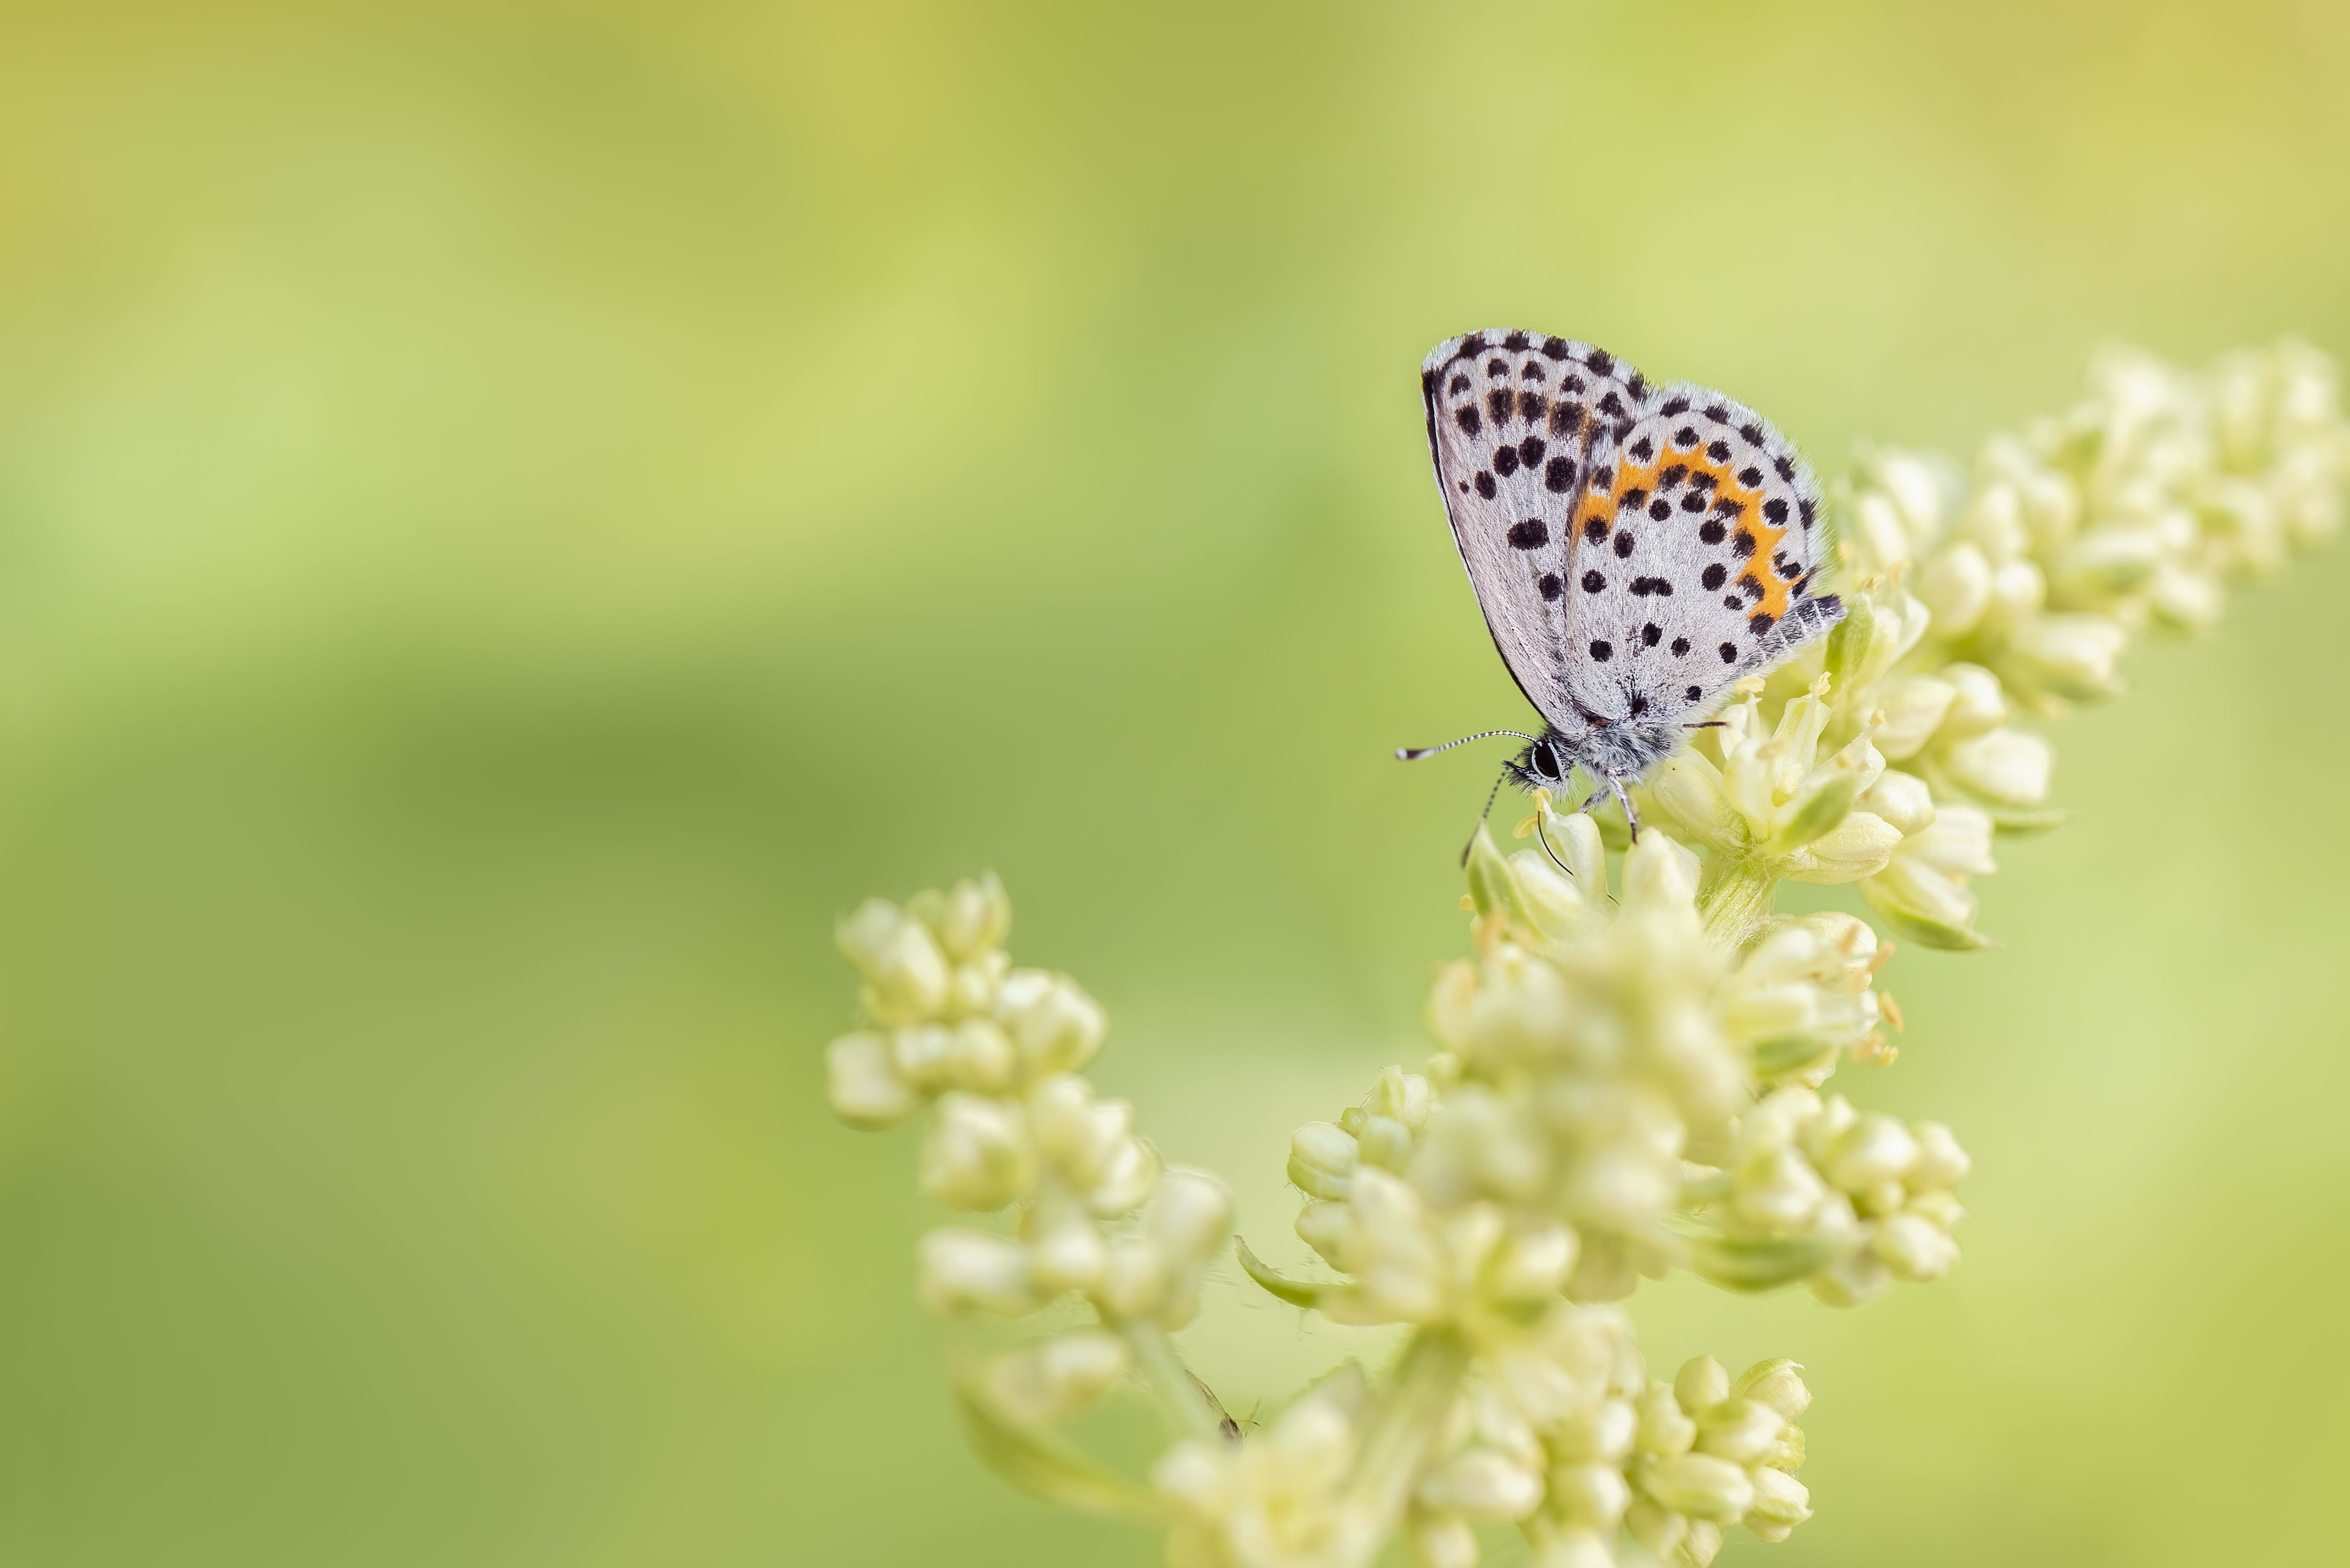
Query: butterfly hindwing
[(1521, 427), (1696, 565)]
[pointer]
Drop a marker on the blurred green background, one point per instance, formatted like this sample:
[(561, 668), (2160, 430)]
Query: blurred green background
[(511, 518)]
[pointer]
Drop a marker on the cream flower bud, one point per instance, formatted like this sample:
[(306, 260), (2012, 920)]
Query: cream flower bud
[(1124, 1181), (1324, 1227), (1048, 1381), (1401, 1097), (2018, 589), (1400, 1271), (1699, 1547), (1877, 530), (1496, 1421), (1660, 875), (1875, 1148), (977, 1156), (1322, 1160), (1977, 703), (2010, 766), (979, 1057), (2184, 600), (959, 1268), (1852, 1280), (1860, 846), (1914, 1248), (1700, 1384), (1067, 1254), (2074, 656), (1901, 799), (864, 1090), (1739, 1431), (1781, 1503), (1955, 585), (1533, 1261), (1062, 1109), (1442, 1540), (1665, 1429), (1995, 521), (1922, 902), (1776, 1382), (1940, 1161), (1385, 1142), (923, 1055), (1058, 1027), (1659, 1530), (1592, 1495), (1193, 1475), (1482, 1484), (1599, 1431), (905, 973), (1570, 1546), (1134, 1280), (1554, 904), (1957, 843), (1779, 1192), (1916, 488), (1687, 789), (1699, 1485), (972, 987), (1914, 709), (970, 918), (1190, 1217)]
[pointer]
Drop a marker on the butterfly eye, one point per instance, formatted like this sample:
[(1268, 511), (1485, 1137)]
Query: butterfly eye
[(1544, 763)]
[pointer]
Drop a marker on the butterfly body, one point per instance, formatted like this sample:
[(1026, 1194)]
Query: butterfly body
[(1634, 547)]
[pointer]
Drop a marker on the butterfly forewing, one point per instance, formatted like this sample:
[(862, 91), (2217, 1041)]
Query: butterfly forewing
[(1521, 427)]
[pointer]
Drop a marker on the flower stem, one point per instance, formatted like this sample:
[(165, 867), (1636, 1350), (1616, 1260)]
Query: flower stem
[(1735, 902), (1186, 1407), (1426, 1378)]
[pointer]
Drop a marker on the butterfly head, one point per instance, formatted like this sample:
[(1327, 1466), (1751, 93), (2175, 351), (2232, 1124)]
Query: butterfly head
[(1619, 748)]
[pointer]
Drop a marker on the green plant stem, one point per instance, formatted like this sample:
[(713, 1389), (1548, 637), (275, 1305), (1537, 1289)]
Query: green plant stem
[(1426, 1378), (1186, 1407), (1735, 902)]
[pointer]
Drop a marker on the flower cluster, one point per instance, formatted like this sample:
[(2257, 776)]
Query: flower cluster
[(999, 1052), (1671, 1465), (1974, 600), (1623, 1084), (1594, 1050), (1815, 1190)]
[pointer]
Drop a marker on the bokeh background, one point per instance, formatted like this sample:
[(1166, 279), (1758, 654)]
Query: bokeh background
[(513, 517)]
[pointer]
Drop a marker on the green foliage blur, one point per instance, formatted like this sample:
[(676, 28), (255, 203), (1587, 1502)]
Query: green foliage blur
[(512, 517)]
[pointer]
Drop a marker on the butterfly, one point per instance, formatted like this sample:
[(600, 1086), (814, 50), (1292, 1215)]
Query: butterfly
[(1636, 548)]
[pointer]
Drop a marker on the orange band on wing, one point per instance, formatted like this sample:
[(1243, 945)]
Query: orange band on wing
[(1642, 480)]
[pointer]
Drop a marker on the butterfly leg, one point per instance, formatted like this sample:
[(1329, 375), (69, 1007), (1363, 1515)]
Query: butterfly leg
[(1631, 816)]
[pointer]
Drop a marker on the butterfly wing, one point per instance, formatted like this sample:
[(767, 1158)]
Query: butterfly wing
[(1519, 426), (1695, 564)]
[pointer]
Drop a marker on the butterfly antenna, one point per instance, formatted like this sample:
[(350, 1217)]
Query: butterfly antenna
[(1413, 753), (1491, 795)]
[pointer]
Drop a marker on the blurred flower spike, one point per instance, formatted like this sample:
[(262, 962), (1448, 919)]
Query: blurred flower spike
[(1624, 1084)]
